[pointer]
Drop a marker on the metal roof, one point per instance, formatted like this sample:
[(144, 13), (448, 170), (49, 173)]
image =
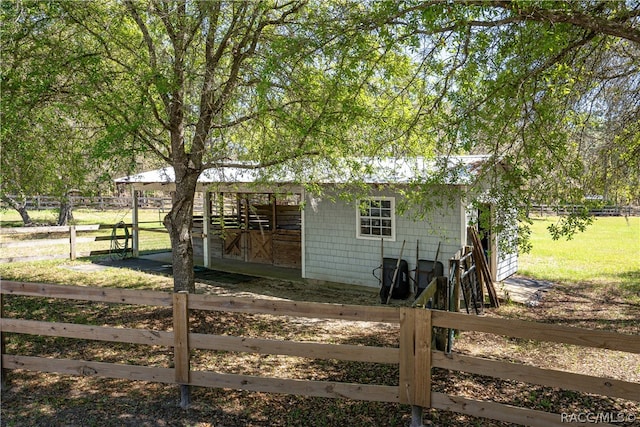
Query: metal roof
[(455, 170)]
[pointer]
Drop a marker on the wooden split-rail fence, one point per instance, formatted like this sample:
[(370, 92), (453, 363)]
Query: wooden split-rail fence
[(415, 355), (51, 242), (37, 203)]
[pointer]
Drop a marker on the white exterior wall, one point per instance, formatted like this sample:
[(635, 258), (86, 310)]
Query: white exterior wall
[(507, 263), (334, 254)]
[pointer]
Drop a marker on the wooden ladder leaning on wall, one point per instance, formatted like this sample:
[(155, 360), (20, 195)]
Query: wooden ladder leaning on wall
[(483, 273)]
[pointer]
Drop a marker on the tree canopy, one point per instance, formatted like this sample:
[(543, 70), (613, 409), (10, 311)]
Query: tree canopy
[(48, 136), (200, 84), (549, 88)]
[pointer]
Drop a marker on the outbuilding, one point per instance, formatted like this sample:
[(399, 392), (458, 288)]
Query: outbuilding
[(334, 230)]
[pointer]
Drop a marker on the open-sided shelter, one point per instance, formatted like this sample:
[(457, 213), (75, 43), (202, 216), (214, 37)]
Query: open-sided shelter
[(328, 236)]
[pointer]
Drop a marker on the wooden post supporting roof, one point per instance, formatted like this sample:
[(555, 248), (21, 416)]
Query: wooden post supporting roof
[(274, 212), (206, 230), (135, 230), (247, 212)]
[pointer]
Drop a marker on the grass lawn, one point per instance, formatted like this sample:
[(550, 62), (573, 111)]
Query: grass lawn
[(11, 218), (606, 254), (148, 218)]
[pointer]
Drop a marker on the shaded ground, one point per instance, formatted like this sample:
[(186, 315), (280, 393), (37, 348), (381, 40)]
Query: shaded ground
[(37, 399), (159, 267), (222, 282)]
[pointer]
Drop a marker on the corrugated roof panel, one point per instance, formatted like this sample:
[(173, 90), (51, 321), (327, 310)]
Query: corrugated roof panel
[(459, 170)]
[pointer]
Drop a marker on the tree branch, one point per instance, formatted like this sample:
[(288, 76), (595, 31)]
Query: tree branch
[(620, 25), (148, 40)]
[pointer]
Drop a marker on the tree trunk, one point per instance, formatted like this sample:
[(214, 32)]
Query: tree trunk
[(179, 223), (21, 207), (66, 212), (26, 219)]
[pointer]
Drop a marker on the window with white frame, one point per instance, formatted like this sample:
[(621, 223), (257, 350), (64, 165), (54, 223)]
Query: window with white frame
[(376, 218)]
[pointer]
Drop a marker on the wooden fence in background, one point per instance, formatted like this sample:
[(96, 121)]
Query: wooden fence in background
[(415, 355), (34, 203), (64, 237), (37, 203), (564, 210)]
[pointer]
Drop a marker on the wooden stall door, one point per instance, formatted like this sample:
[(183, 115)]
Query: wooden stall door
[(287, 248), (234, 244), (260, 246)]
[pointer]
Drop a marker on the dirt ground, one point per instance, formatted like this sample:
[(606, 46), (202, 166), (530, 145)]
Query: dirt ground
[(36, 399)]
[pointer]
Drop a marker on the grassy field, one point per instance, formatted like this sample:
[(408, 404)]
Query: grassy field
[(148, 218), (11, 218), (606, 254)]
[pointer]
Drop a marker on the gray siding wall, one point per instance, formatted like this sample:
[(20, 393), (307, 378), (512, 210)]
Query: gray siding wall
[(334, 254)]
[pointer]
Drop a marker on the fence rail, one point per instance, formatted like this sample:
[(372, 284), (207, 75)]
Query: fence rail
[(36, 203), (61, 242), (564, 210), (415, 355), (70, 241), (164, 204)]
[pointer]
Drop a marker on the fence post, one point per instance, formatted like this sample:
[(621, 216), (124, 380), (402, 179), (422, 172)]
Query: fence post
[(181, 345), (72, 242), (4, 385), (415, 361)]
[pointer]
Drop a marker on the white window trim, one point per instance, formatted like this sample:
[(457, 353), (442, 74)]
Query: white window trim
[(391, 238)]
